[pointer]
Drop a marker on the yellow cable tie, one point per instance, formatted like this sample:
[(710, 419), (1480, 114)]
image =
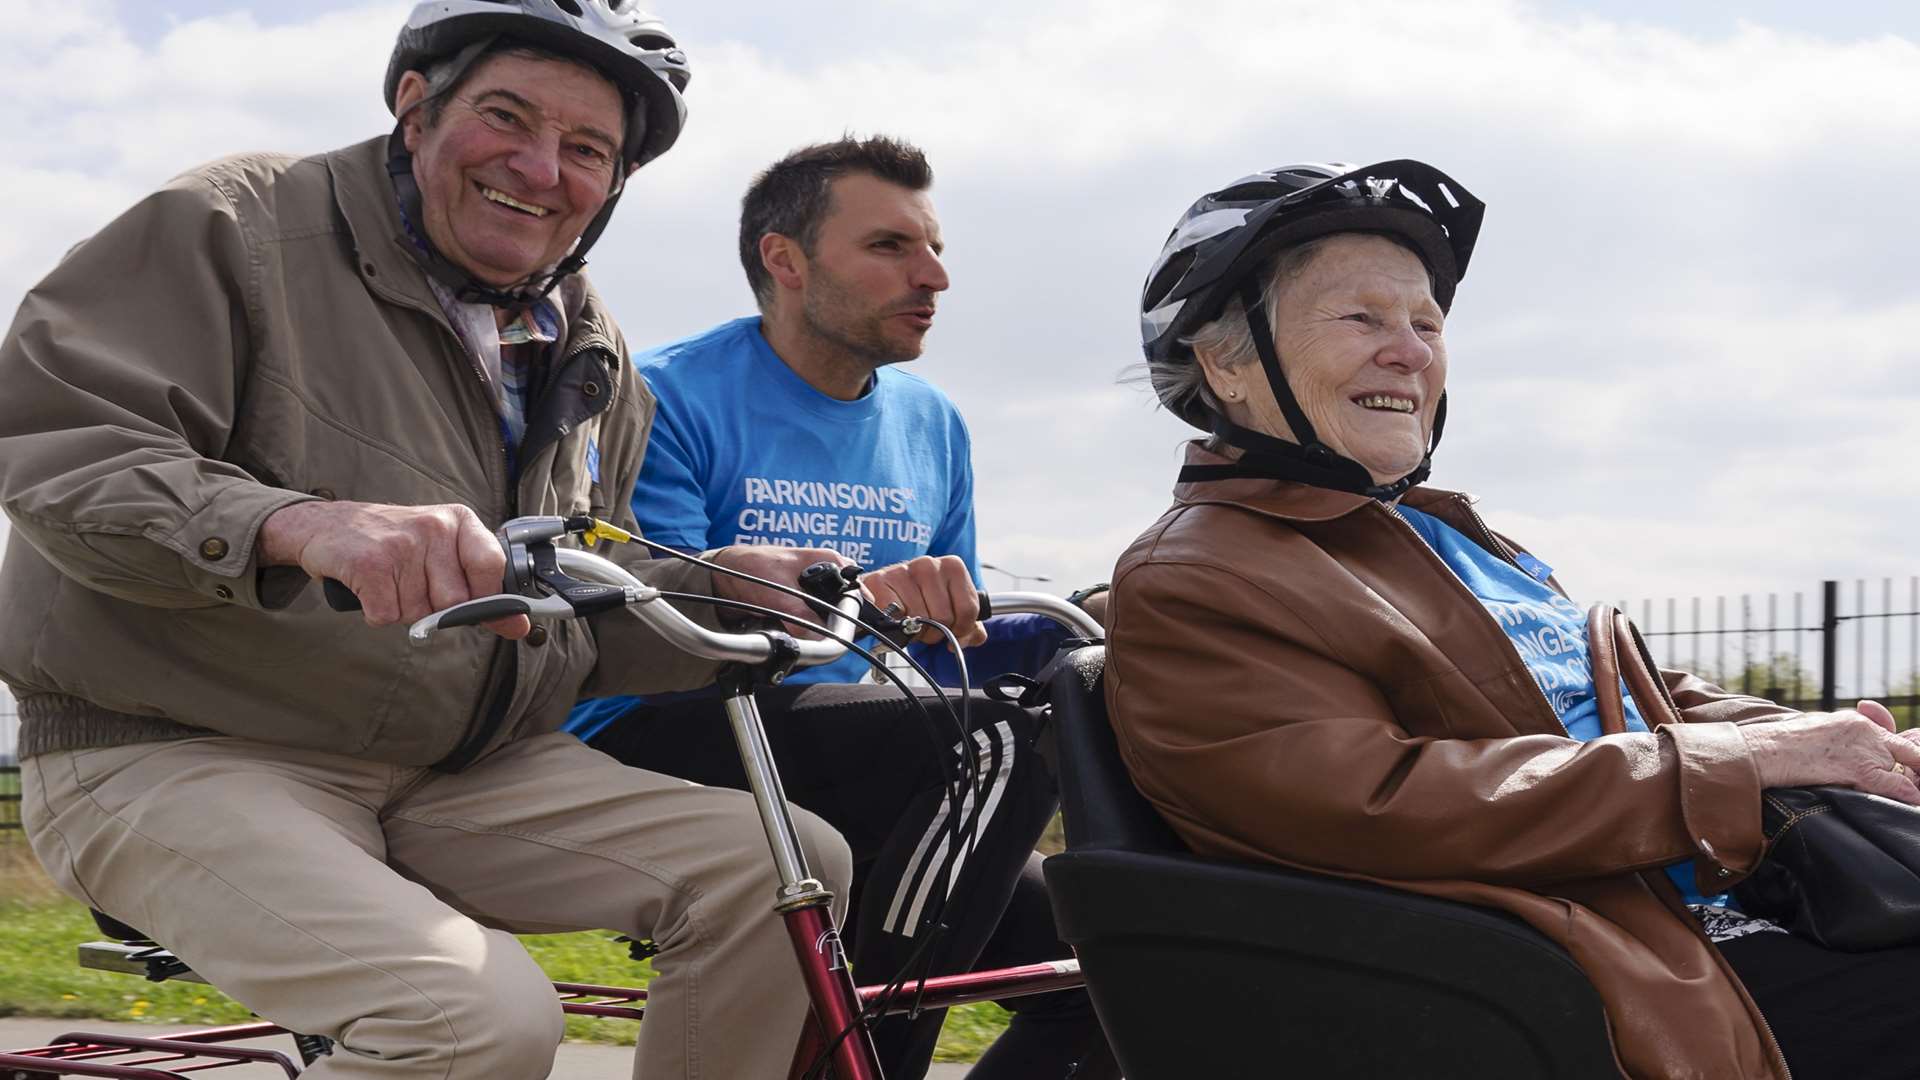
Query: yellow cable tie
[(603, 531)]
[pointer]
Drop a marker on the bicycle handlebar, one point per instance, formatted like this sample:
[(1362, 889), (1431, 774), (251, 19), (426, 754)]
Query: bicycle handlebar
[(682, 633), (582, 583)]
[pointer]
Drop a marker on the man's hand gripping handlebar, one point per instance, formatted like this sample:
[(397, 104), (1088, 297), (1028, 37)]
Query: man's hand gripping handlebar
[(830, 584), (535, 585)]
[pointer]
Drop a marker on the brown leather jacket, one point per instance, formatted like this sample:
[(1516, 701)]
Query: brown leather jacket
[(1295, 677)]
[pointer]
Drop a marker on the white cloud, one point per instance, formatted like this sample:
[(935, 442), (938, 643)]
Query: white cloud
[(1680, 363)]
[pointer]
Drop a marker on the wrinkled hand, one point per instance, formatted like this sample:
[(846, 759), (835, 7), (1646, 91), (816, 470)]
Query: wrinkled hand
[(932, 587), (1854, 748), (779, 564), (403, 562)]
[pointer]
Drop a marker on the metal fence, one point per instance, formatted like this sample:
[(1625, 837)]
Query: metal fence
[(1851, 640)]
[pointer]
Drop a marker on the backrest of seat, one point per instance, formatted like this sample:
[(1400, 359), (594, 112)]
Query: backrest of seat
[(1203, 967), (1101, 806)]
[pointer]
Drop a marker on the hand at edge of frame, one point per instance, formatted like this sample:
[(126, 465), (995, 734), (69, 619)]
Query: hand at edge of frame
[(1855, 748)]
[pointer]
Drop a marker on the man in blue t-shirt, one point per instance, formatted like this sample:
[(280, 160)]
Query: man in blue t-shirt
[(795, 428)]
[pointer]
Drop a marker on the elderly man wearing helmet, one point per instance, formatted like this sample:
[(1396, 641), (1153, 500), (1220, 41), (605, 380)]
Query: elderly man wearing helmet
[(352, 366), (1317, 662)]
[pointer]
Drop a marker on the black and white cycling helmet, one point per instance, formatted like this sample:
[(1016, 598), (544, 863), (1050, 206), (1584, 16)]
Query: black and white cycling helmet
[(630, 47), (1225, 240)]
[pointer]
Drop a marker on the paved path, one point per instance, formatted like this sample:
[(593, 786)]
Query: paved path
[(575, 1061)]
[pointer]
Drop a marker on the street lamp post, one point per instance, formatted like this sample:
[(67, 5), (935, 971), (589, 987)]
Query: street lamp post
[(1019, 580)]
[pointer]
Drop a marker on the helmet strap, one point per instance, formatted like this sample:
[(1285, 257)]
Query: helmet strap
[(1308, 461), (1256, 314)]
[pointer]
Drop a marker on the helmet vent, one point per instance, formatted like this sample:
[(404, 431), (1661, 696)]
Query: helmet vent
[(652, 41), (1169, 276), (1259, 191), (571, 7)]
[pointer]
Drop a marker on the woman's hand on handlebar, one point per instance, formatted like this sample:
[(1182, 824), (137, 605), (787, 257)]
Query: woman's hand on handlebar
[(1850, 748), (933, 587), (402, 562)]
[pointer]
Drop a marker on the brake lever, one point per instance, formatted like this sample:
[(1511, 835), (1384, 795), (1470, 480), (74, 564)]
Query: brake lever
[(486, 609)]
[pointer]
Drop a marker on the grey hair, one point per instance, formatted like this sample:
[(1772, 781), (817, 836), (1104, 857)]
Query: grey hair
[(1227, 339)]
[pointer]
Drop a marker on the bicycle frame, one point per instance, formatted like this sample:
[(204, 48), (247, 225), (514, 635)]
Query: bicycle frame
[(800, 900), (805, 905)]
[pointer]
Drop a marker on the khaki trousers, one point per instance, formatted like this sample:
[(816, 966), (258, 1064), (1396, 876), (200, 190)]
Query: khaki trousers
[(373, 903)]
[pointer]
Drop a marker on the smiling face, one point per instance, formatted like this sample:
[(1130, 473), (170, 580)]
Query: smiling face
[(1358, 334), (521, 158), (873, 275)]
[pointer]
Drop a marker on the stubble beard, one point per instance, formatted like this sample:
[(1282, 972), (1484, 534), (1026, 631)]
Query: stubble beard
[(833, 314)]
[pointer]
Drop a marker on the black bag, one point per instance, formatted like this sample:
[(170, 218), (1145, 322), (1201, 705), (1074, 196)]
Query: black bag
[(1842, 867)]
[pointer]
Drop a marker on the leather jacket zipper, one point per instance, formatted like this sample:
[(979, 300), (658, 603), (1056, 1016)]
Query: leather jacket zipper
[(1492, 544)]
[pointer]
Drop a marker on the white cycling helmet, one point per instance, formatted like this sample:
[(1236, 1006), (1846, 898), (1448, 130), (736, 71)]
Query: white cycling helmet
[(627, 45)]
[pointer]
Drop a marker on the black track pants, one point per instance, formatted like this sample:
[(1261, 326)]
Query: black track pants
[(864, 759)]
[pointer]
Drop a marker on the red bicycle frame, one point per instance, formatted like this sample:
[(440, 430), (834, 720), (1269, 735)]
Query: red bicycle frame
[(805, 905)]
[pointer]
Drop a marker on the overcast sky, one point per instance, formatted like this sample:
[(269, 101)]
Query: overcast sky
[(1683, 362)]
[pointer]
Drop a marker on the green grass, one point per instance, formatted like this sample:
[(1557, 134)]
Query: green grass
[(39, 929)]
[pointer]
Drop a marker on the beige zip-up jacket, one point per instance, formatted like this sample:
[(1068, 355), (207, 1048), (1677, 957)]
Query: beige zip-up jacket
[(256, 334), (1294, 676)]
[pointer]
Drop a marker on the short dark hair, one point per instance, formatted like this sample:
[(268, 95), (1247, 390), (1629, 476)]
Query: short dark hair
[(792, 196)]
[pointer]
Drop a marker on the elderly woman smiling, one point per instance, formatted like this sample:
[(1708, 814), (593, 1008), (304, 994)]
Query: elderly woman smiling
[(1314, 661)]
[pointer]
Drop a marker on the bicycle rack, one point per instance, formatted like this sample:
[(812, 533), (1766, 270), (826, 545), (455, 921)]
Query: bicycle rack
[(82, 1053)]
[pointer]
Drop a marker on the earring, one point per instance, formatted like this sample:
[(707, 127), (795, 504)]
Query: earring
[(1233, 395)]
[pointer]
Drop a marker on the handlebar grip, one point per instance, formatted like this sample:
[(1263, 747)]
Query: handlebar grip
[(475, 612), (339, 597), (986, 607)]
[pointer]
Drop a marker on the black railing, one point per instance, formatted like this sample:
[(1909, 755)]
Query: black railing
[(1858, 637)]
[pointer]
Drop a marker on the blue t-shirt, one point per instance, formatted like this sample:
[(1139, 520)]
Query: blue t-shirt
[(745, 451), (1550, 632)]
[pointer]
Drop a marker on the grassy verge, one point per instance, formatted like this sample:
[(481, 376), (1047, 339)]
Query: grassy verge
[(39, 929)]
